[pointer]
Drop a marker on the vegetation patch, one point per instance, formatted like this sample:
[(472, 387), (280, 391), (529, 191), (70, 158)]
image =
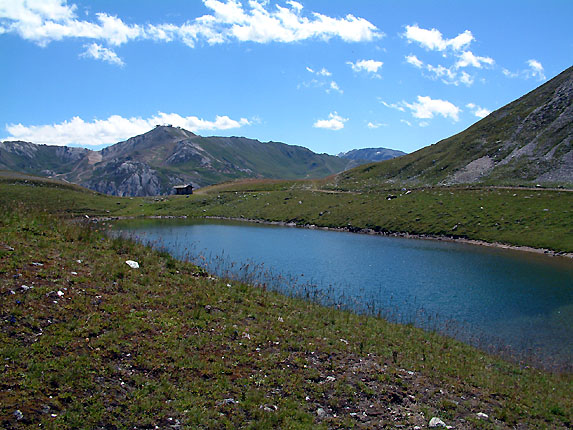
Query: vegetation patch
[(87, 341)]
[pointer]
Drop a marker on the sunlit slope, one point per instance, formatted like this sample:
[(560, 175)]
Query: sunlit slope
[(526, 142)]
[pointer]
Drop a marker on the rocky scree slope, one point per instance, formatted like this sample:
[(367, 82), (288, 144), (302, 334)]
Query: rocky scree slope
[(152, 163), (527, 142)]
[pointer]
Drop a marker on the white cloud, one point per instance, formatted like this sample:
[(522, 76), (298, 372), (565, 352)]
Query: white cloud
[(510, 74), (456, 48), (536, 69), (414, 61), (334, 87), (113, 129), (423, 124), (393, 106), (369, 66), (434, 40), (467, 58), (478, 110), (335, 122), (98, 52), (426, 108), (408, 123), (374, 125), (466, 79), (322, 72), (45, 21)]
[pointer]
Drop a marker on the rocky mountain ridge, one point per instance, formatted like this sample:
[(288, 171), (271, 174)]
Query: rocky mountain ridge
[(527, 142), (154, 162)]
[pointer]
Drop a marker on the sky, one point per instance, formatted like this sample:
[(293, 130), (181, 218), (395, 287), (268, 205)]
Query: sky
[(329, 75)]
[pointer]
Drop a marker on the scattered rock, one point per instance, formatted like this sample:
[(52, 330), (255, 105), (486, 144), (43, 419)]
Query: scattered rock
[(228, 402), (132, 264), (321, 413), (18, 415), (436, 422), (482, 415)]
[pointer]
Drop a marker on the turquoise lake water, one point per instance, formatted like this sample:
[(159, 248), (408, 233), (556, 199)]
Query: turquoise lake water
[(490, 297)]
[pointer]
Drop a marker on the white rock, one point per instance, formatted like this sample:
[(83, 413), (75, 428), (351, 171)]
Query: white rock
[(321, 413), (60, 293), (132, 264), (436, 422), (482, 415)]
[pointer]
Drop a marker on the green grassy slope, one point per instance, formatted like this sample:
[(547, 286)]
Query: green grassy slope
[(88, 342), (495, 136), (521, 217)]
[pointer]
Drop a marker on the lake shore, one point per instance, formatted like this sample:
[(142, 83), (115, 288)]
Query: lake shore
[(404, 235)]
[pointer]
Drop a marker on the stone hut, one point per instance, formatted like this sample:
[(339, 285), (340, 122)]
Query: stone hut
[(182, 190)]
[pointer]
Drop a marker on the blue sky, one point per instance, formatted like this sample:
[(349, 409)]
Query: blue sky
[(325, 74)]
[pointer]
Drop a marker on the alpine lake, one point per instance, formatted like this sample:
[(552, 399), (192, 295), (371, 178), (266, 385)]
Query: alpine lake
[(511, 302)]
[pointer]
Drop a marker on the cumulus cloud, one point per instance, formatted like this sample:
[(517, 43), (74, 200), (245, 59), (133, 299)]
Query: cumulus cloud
[(414, 61), (478, 111), (98, 52), (467, 58), (334, 87), (534, 70), (334, 122), (45, 21), (427, 108), (434, 40), (113, 129), (455, 50), (369, 66)]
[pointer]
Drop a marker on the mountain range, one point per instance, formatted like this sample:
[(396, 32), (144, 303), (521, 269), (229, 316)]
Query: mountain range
[(154, 162), (527, 142)]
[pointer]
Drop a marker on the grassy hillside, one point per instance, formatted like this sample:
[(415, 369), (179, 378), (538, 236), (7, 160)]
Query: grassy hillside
[(88, 342), (520, 217), (523, 143)]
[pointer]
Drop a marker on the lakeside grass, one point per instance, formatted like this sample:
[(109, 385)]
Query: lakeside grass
[(513, 216), (168, 345)]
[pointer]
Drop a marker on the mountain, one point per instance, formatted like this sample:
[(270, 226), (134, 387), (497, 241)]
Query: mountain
[(152, 163), (371, 154), (527, 142)]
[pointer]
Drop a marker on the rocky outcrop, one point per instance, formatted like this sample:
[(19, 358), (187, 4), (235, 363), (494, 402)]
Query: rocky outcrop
[(130, 178)]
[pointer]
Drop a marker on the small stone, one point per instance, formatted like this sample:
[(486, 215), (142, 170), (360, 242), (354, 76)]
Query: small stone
[(330, 379), (482, 415), (37, 264), (321, 413), (132, 264), (60, 293), (436, 422), (74, 273), (18, 415)]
